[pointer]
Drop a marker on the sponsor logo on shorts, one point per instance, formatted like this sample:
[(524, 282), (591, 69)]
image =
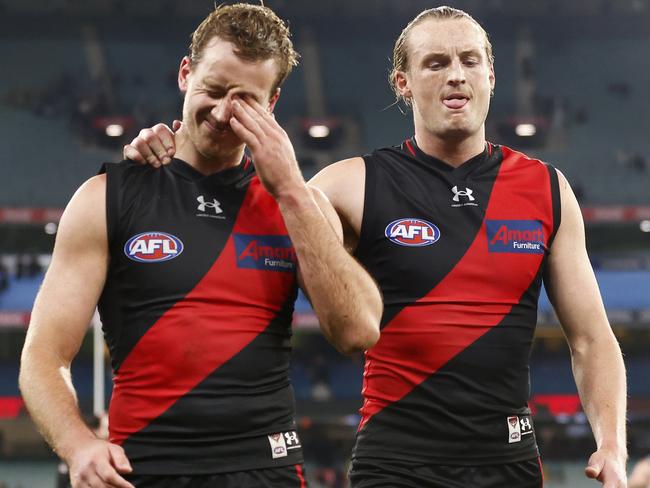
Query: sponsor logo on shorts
[(515, 236), (283, 442), (153, 247), (412, 232), (267, 252), (519, 427)]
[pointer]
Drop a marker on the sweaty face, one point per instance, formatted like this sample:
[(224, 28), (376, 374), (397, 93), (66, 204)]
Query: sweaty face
[(210, 87), (449, 78)]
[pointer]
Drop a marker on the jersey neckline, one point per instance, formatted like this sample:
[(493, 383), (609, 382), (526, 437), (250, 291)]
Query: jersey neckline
[(461, 171), (227, 176)]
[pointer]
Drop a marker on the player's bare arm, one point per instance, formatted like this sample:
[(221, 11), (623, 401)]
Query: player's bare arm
[(345, 298), (60, 318), (596, 356), (344, 185)]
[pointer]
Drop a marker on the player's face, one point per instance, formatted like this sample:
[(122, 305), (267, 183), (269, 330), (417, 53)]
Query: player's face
[(211, 86), (449, 78)]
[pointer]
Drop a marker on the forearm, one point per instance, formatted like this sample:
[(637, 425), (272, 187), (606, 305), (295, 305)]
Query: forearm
[(345, 298), (600, 377), (47, 389)]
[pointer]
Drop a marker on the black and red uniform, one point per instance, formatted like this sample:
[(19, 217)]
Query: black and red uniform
[(459, 255), (197, 311)]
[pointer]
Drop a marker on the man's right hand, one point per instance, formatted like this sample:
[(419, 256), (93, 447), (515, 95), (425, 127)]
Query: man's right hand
[(98, 463), (155, 146)]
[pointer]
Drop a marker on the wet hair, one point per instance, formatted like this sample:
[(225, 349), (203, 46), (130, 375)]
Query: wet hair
[(400, 51), (256, 32)]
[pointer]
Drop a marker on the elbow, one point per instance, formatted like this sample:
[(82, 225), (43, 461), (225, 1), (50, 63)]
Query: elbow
[(358, 339), (25, 373)]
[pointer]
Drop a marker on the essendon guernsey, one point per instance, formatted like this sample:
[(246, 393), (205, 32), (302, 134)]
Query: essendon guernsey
[(196, 312), (459, 255)]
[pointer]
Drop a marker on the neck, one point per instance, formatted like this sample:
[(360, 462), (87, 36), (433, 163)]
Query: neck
[(453, 151), (187, 151)]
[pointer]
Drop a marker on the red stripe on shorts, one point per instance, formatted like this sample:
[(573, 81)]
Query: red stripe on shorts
[(303, 484)]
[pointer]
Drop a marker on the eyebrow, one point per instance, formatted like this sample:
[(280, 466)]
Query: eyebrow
[(443, 55), (471, 52)]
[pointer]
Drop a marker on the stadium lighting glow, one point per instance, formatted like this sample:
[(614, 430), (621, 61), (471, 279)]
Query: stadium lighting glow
[(114, 130), (645, 226), (51, 228), (525, 130), (319, 131)]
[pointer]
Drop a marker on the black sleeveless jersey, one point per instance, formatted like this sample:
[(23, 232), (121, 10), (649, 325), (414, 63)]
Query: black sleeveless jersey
[(196, 312), (459, 256)]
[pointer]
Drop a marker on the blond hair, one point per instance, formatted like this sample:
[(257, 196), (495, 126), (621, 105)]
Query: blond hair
[(400, 51)]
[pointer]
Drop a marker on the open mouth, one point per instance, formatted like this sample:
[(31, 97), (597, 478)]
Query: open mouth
[(455, 101)]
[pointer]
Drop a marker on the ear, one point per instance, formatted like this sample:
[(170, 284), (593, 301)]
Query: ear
[(273, 100), (184, 72), (402, 85), (492, 78)]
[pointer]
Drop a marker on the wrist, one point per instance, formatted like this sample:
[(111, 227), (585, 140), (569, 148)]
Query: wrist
[(294, 195), (616, 448), (67, 448)]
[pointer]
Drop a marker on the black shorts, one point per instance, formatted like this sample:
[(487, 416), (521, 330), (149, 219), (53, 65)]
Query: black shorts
[(381, 473), (282, 477)]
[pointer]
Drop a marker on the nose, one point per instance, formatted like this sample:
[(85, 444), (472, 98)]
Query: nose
[(456, 73), (222, 111)]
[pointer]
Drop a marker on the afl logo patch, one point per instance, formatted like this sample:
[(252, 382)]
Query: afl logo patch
[(412, 232), (153, 247)]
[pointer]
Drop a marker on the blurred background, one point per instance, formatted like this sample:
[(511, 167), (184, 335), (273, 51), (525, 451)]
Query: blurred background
[(80, 78)]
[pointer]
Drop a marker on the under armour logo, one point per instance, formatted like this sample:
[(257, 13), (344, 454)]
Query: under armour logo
[(525, 424), (213, 204), (291, 438), (462, 193)]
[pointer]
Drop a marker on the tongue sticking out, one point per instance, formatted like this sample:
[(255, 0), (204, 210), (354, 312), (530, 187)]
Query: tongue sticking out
[(455, 102)]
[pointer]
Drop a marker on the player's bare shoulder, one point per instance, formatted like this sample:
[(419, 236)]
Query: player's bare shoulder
[(84, 219), (344, 183)]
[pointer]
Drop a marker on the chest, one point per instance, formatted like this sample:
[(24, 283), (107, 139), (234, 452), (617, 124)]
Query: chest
[(420, 228), (177, 234)]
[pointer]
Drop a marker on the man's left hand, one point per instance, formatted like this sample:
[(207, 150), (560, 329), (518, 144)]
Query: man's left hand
[(608, 468)]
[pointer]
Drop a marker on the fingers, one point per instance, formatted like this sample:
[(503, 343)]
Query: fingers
[(167, 138), (176, 125), (154, 146), (109, 477), (248, 118), (130, 152), (261, 111), (592, 472), (594, 467), (608, 476), (152, 141), (141, 151), (119, 459), (102, 476), (246, 135), (100, 466)]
